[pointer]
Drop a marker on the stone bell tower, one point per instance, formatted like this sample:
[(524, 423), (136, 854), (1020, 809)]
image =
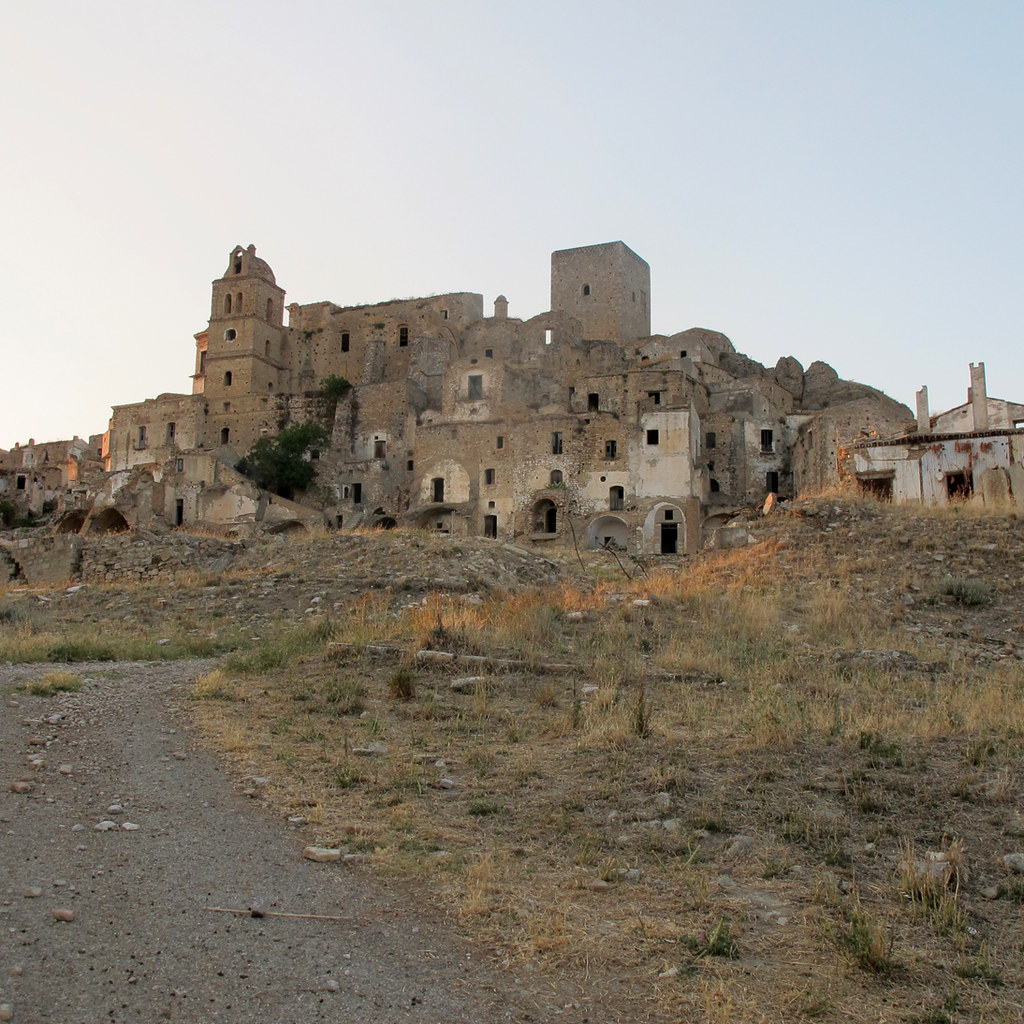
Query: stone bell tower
[(243, 367)]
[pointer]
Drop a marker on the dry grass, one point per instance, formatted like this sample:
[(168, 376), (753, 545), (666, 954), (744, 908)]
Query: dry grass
[(704, 794)]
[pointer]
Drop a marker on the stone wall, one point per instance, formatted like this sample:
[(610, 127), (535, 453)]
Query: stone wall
[(44, 558)]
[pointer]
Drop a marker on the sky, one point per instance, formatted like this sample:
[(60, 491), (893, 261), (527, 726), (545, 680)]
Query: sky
[(837, 181)]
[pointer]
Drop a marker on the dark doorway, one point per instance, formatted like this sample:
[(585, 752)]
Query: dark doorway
[(669, 538), (490, 526), (438, 484), (877, 487), (179, 511), (958, 486), (771, 481)]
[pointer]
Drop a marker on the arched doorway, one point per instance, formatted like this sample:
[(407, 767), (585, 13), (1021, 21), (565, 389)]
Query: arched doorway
[(545, 516), (665, 530), (608, 532)]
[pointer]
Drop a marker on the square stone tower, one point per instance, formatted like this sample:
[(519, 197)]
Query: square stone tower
[(607, 287)]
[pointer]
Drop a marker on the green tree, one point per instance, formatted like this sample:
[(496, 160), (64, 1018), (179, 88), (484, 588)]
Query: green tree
[(279, 464), (332, 389)]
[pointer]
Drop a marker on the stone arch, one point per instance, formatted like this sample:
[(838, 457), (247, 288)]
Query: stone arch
[(71, 522), (544, 516), (108, 521), (664, 530), (385, 523), (608, 531)]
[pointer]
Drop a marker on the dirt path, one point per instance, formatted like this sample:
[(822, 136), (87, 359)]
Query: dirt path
[(142, 947)]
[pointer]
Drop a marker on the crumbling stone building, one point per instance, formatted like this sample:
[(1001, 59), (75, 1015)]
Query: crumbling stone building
[(576, 425)]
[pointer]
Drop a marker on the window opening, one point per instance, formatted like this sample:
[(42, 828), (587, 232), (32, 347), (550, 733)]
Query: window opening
[(652, 437), (586, 289), (556, 443), (20, 485), (547, 336), (438, 488), (238, 303), (409, 465), (655, 396), (476, 386), (555, 478), (270, 309), (170, 433), (403, 337), (142, 438), (488, 476), (610, 449), (379, 449), (958, 486), (715, 487), (488, 353), (225, 435), (669, 538), (767, 441), (230, 334), (227, 379), (501, 441), (179, 511), (238, 266), (616, 499), (357, 494), (682, 353), (227, 303), (669, 515), (344, 341), (593, 402), (771, 482), (710, 439), (179, 466), (490, 526), (314, 455)]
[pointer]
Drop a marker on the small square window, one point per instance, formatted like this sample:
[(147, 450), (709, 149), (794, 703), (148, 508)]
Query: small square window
[(655, 397), (488, 353), (652, 437), (409, 465), (444, 314)]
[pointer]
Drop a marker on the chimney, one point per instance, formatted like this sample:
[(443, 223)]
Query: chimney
[(501, 308), (924, 420), (979, 396)]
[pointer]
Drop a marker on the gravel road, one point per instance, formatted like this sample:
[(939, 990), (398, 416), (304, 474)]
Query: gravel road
[(143, 946)]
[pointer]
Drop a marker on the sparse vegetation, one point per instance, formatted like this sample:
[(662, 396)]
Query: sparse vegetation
[(281, 464), (724, 802), (51, 683)]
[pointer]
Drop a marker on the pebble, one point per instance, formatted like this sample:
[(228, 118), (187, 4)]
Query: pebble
[(129, 826), (104, 826), (114, 809), (32, 892), (63, 914), (445, 784), (21, 787), (599, 885), (332, 985), (65, 769), (6, 1011)]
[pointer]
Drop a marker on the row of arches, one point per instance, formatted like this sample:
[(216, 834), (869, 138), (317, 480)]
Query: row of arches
[(234, 305)]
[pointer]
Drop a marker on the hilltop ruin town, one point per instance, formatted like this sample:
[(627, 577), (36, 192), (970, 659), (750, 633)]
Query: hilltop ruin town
[(574, 426)]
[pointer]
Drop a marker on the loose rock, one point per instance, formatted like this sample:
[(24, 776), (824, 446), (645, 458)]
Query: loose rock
[(322, 854), (63, 914)]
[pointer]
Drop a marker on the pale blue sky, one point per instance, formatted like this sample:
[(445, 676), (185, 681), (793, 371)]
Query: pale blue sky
[(830, 180)]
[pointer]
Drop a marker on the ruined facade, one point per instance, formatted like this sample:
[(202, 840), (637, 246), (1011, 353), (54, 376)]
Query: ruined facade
[(973, 452), (573, 426)]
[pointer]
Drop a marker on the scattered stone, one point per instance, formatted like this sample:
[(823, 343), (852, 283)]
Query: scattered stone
[(21, 787), (63, 914), (445, 784), (663, 801), (297, 819), (672, 972), (574, 616), (739, 846), (32, 892), (105, 826), (129, 826), (322, 854), (115, 809), (332, 985), (6, 1011), (65, 769), (599, 885), (990, 892), (1014, 862), (467, 684), (370, 750)]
